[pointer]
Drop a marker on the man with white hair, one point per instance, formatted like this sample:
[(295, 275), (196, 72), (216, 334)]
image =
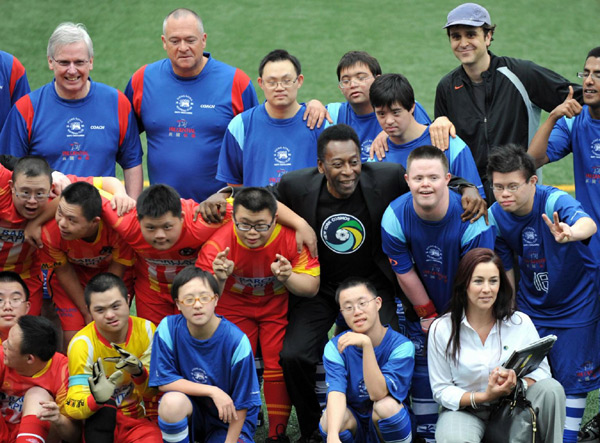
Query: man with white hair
[(79, 126)]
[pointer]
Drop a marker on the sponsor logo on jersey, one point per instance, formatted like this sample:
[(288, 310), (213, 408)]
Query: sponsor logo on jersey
[(75, 127), (282, 156), (75, 153), (199, 376), (184, 104), (587, 372), (89, 262), (595, 148), (207, 106), (343, 233), (180, 129), (186, 252), (97, 127), (255, 282), (169, 262), (12, 235)]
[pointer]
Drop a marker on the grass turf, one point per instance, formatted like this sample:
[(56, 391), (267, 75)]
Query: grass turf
[(405, 36)]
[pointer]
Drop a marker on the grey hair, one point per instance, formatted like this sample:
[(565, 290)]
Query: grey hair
[(179, 13), (67, 33)]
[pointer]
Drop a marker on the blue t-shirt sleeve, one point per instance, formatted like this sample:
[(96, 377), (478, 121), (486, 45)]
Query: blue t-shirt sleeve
[(163, 365), (231, 157), (14, 139), (398, 370), (477, 235), (462, 163), (130, 151), (336, 374), (394, 242), (501, 247), (129, 94), (421, 115), (559, 142), (569, 210), (245, 391), (249, 97)]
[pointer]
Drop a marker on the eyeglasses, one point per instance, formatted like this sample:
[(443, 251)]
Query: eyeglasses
[(26, 195), (584, 75), (203, 299), (259, 227), (513, 187), (272, 84), (67, 63), (13, 302), (359, 80), (360, 305)]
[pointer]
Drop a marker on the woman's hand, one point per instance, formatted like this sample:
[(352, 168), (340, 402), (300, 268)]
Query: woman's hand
[(501, 382)]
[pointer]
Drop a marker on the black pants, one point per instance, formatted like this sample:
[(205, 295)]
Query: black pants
[(306, 335)]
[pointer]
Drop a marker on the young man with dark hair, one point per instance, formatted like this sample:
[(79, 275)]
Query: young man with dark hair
[(572, 128), (490, 100), (356, 71), (34, 379), (205, 366), (109, 361), (14, 301), (265, 142), (77, 246), (424, 238), (559, 274), (257, 264), (368, 371), (393, 99)]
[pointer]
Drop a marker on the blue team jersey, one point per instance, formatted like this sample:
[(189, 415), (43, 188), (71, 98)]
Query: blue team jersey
[(366, 126), (344, 371), (185, 119), (581, 136), (558, 283), (13, 83), (225, 360), (460, 158), (82, 137), (433, 248), (257, 149)]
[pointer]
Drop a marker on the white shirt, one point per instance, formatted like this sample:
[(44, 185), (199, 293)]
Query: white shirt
[(449, 381)]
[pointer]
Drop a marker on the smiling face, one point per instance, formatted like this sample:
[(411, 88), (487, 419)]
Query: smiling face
[(360, 308), (470, 44), (253, 238), (161, 232), (71, 222), (71, 65), (483, 287), (341, 167), (591, 86), (428, 183), (184, 42)]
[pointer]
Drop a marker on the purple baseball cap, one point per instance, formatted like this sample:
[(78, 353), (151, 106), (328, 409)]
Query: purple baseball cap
[(469, 14)]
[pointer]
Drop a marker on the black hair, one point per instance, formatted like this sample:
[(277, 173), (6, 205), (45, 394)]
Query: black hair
[(594, 52), (339, 132), (85, 196), (157, 200), (510, 158), (427, 152), (352, 58), (13, 277), (278, 55), (485, 28), (32, 166), (352, 282), (40, 337), (255, 200), (101, 283), (390, 89), (189, 273)]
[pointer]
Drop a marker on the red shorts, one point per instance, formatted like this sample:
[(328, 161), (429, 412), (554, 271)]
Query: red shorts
[(131, 429), (154, 306), (261, 318), (8, 431)]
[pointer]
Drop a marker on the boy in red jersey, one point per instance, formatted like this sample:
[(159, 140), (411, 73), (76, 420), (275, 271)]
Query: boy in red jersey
[(14, 301), (256, 263), (34, 380), (77, 246)]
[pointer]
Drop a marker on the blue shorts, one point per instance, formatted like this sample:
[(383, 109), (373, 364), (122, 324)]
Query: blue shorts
[(575, 357), (365, 428), (205, 427)]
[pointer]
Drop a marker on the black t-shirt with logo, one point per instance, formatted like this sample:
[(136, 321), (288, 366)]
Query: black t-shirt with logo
[(345, 234)]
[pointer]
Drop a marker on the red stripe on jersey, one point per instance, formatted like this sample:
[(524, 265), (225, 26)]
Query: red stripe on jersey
[(18, 70), (124, 110), (25, 107), (137, 84), (240, 83)]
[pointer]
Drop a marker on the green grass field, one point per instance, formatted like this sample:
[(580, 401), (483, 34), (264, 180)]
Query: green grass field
[(405, 36)]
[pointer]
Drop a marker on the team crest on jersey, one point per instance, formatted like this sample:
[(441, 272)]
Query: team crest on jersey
[(199, 375), (187, 251), (75, 127), (184, 104), (282, 156), (343, 233), (365, 147), (362, 388), (106, 250), (595, 148), (529, 236), (434, 253)]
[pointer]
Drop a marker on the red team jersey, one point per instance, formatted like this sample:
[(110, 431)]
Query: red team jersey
[(252, 271), (154, 269), (54, 378)]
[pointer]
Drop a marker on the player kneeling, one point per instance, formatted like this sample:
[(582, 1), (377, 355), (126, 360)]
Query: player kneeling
[(368, 371)]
